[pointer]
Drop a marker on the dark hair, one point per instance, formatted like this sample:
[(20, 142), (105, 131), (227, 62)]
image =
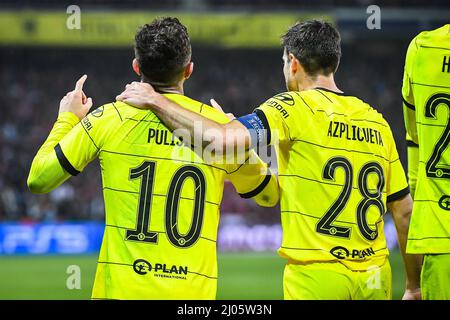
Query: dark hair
[(163, 50), (316, 44)]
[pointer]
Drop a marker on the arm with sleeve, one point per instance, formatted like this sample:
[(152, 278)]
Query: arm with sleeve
[(396, 183), (266, 127), (409, 109), (46, 172), (409, 112), (254, 179), (68, 149)]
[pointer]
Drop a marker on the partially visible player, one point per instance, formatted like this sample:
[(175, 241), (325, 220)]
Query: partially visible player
[(426, 105), (161, 198), (339, 171)]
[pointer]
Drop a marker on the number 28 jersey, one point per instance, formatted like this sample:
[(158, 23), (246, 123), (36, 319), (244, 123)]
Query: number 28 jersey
[(338, 167)]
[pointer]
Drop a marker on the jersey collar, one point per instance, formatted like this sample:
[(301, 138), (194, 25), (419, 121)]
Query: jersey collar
[(328, 90)]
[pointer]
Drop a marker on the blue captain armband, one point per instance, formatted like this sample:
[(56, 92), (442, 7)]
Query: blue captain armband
[(258, 126)]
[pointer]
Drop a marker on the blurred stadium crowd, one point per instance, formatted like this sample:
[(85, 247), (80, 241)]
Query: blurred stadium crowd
[(33, 81), (226, 4)]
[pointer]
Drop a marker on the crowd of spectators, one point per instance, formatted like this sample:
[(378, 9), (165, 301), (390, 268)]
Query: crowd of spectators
[(225, 4), (33, 80)]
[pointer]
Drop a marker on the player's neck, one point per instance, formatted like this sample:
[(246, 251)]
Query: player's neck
[(321, 81), (178, 89), (167, 88)]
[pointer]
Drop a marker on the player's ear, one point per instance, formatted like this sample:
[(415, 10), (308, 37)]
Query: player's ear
[(136, 68), (188, 70), (294, 64)]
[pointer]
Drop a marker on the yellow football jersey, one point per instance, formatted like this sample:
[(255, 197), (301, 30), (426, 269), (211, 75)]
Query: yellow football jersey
[(337, 167), (426, 101), (161, 201)]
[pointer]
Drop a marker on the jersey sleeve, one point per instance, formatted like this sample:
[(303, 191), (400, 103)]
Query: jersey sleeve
[(273, 121), (46, 173), (409, 108), (396, 184), (413, 163), (84, 142), (254, 179), (251, 178)]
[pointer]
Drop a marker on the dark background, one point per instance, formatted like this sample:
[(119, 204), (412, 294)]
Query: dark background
[(33, 79)]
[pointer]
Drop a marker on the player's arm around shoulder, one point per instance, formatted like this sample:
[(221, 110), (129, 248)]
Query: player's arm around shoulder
[(252, 178), (203, 132)]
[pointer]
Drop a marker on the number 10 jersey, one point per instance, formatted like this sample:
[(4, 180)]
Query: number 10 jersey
[(161, 200)]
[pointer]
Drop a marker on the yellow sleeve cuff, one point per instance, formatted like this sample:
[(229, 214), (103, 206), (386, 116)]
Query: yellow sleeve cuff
[(68, 117)]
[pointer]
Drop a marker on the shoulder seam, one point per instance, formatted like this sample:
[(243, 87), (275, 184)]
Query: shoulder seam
[(299, 95), (323, 94), (89, 136), (117, 111)]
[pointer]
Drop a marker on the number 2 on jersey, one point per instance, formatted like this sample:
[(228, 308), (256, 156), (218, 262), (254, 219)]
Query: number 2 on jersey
[(432, 168), (370, 198)]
